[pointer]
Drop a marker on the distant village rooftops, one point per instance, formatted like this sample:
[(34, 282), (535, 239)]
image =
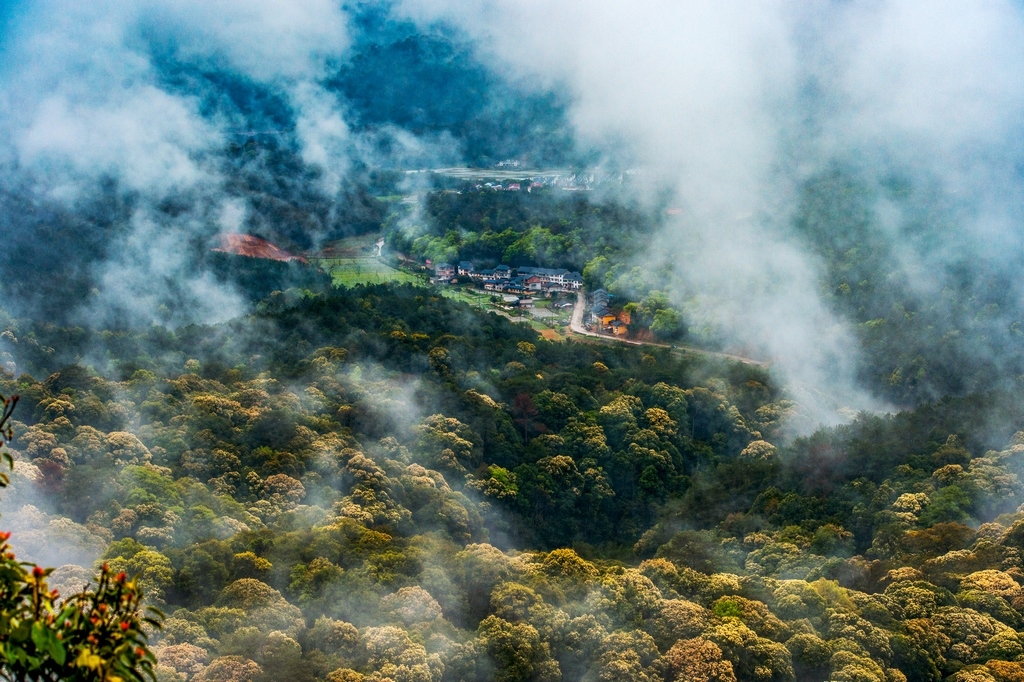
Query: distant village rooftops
[(540, 271), (527, 278)]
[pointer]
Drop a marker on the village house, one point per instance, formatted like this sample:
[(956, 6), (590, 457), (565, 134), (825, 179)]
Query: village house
[(533, 283), (560, 277), (516, 285), (618, 328), (444, 272), (543, 281)]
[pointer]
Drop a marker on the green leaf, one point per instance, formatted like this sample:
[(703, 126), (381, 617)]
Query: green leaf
[(58, 651), (40, 636)]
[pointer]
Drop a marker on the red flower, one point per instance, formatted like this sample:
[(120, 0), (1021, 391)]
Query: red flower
[(124, 626), (38, 572)]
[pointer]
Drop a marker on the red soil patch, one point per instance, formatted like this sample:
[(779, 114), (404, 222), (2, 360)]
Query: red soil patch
[(254, 247)]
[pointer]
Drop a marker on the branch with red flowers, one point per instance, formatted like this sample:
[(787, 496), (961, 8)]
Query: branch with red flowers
[(97, 635)]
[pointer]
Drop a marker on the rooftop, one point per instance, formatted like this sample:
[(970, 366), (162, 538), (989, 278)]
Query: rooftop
[(543, 271)]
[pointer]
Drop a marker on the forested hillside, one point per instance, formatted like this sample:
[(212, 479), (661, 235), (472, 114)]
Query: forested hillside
[(379, 483), (922, 333), (270, 410)]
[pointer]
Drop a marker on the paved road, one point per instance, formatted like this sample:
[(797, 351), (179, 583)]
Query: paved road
[(576, 326)]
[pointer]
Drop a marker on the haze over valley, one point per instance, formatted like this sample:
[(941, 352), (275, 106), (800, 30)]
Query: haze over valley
[(459, 341)]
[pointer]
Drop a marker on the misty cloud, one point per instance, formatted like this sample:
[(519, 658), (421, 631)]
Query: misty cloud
[(732, 108), (86, 102), (267, 40), (735, 106), (67, 140)]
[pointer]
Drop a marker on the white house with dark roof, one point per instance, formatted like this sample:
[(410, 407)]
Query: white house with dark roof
[(561, 278)]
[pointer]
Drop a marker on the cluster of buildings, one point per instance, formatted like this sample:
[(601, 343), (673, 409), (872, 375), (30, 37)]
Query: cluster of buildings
[(603, 319), (525, 280), (512, 186), (566, 181)]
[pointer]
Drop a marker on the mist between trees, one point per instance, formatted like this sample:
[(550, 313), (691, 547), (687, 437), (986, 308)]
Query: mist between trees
[(380, 483)]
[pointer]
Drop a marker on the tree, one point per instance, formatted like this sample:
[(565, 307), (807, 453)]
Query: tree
[(516, 652), (412, 605), (525, 412), (96, 634), (698, 660), (668, 324), (230, 669), (447, 443)]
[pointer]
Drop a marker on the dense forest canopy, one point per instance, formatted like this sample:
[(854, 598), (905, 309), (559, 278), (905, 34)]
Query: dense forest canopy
[(316, 478), (381, 482)]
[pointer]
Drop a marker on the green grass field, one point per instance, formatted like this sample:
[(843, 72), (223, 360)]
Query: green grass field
[(470, 296), (348, 272)]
